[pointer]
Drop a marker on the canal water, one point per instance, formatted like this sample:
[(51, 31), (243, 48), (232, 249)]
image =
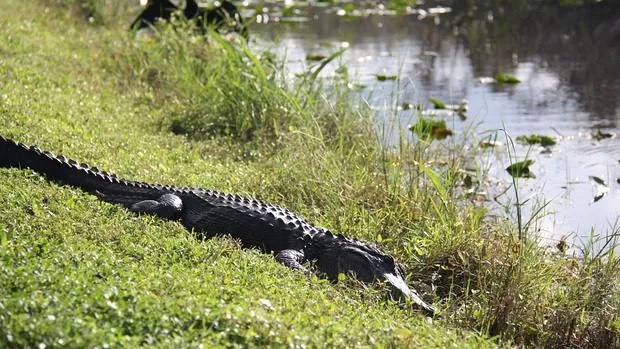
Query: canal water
[(568, 62)]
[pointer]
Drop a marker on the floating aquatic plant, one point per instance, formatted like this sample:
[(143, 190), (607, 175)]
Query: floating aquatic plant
[(521, 169), (437, 103), (601, 188), (502, 78), (545, 141), (431, 129), (384, 77), (599, 135)]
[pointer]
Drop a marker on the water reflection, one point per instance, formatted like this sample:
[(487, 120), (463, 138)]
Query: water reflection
[(579, 44), (566, 59)]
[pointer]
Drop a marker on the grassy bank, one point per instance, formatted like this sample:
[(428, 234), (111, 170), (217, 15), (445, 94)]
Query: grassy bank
[(78, 272)]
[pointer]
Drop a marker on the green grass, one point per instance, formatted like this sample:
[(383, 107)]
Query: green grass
[(78, 272)]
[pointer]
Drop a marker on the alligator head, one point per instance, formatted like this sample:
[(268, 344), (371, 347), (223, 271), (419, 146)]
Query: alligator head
[(368, 264)]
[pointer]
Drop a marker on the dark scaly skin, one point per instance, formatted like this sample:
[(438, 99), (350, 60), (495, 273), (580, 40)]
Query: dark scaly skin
[(208, 213)]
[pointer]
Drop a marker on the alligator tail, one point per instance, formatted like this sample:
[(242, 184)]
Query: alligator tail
[(90, 179)]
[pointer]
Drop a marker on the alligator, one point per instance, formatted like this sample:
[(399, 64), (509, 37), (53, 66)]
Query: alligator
[(272, 229)]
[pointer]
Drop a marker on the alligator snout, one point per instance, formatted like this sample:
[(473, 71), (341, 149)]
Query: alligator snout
[(401, 291)]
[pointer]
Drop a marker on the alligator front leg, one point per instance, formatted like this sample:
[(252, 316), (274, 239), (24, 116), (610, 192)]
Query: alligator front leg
[(167, 206), (292, 259)]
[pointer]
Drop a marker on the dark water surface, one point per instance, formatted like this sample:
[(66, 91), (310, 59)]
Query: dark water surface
[(567, 59)]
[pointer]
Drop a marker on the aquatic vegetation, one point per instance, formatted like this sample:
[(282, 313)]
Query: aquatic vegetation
[(458, 108), (545, 141), (601, 188), (427, 129), (438, 104), (502, 78), (407, 106), (386, 77), (400, 6), (442, 109), (600, 135), (521, 169)]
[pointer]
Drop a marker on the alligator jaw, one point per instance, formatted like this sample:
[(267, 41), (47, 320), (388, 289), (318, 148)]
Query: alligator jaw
[(400, 291)]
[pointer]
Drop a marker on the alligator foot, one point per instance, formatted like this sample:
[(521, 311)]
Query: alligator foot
[(291, 258), (167, 206)]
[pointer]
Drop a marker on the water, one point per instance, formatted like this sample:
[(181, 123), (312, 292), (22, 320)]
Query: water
[(567, 61)]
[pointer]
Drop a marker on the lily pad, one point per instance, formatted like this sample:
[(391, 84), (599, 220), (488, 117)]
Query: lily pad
[(384, 77), (545, 141), (598, 180), (521, 169), (502, 78), (601, 188), (599, 135), (408, 106), (437, 103), (431, 129), (459, 108)]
